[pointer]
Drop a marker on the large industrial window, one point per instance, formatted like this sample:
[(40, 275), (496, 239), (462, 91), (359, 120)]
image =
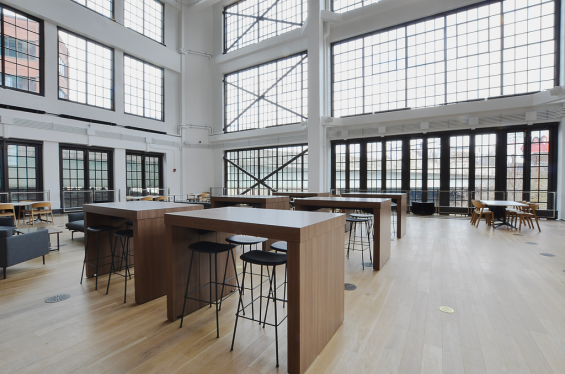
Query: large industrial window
[(416, 164), (374, 166), (86, 169), (261, 170), (86, 71), (485, 165), (393, 162), (248, 22), (21, 60), (341, 166), (354, 165), (434, 163), (104, 7), (515, 165), (145, 17), (342, 6), (143, 89), (459, 170), (539, 168), (144, 174), (458, 56), (23, 167), (272, 94)]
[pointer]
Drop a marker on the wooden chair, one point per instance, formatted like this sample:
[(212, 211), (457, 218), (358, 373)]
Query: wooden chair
[(23, 211), (161, 198), (190, 197), (39, 209), (8, 210), (147, 198), (204, 196), (528, 215), (482, 210)]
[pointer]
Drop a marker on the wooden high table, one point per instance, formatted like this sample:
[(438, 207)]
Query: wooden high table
[(302, 194), (401, 200), (380, 208), (315, 268), (147, 242)]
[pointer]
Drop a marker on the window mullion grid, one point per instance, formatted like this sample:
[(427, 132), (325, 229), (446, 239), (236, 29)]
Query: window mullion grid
[(405, 69), (445, 59), (2, 41), (501, 93)]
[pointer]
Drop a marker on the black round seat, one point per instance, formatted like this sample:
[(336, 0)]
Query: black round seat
[(129, 222), (279, 246), (210, 247), (124, 234), (245, 240), (264, 258), (359, 215), (101, 228), (356, 220)]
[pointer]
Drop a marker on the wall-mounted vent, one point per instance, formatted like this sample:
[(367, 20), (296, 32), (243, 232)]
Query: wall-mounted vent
[(70, 129), (33, 124), (108, 134)]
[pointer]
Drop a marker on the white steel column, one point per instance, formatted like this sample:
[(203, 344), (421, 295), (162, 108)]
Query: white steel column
[(316, 132)]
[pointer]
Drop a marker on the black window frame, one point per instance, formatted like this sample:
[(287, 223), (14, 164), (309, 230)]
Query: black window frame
[(228, 49), (260, 97), (557, 51), (162, 90), (259, 169), (444, 136), (162, 41), (143, 180), (4, 162), (113, 89), (112, 17), (41, 52)]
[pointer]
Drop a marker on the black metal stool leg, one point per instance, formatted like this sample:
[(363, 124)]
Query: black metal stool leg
[(210, 268), (127, 269), (85, 252), (217, 302), (261, 296), (362, 249), (276, 317), (240, 304), (97, 260), (349, 242), (186, 292), (224, 282), (112, 267)]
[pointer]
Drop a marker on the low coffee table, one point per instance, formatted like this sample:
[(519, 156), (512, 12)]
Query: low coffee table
[(50, 230)]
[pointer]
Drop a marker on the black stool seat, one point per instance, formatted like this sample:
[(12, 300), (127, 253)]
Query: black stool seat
[(279, 246), (124, 234), (358, 215), (356, 220), (264, 258), (101, 228), (210, 247), (245, 240)]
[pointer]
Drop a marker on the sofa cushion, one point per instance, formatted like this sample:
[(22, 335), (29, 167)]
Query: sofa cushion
[(6, 232), (76, 225)]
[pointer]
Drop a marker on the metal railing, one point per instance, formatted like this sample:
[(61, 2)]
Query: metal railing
[(30, 195), (73, 200), (136, 192), (458, 201)]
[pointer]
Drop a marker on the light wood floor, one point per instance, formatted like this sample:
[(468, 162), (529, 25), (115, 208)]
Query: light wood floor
[(509, 313)]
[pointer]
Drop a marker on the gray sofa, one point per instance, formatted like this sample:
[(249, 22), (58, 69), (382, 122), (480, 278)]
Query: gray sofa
[(21, 248), (76, 223)]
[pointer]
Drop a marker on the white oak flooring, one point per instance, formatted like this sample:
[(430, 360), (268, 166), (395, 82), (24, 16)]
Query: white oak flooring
[(509, 313)]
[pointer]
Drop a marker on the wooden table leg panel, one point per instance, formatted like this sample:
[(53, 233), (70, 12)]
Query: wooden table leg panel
[(401, 211), (315, 296), (382, 235), (178, 260), (93, 219)]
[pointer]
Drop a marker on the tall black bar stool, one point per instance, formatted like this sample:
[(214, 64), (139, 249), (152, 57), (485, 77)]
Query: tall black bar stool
[(99, 229), (124, 236), (393, 216), (211, 248), (282, 247), (353, 228), (245, 240), (261, 258), (370, 223)]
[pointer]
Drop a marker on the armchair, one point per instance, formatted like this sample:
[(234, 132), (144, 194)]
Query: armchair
[(76, 223), (20, 248)]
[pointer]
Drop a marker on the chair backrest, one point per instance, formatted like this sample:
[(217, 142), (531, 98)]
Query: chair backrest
[(41, 205), (79, 216), (147, 198), (7, 207)]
